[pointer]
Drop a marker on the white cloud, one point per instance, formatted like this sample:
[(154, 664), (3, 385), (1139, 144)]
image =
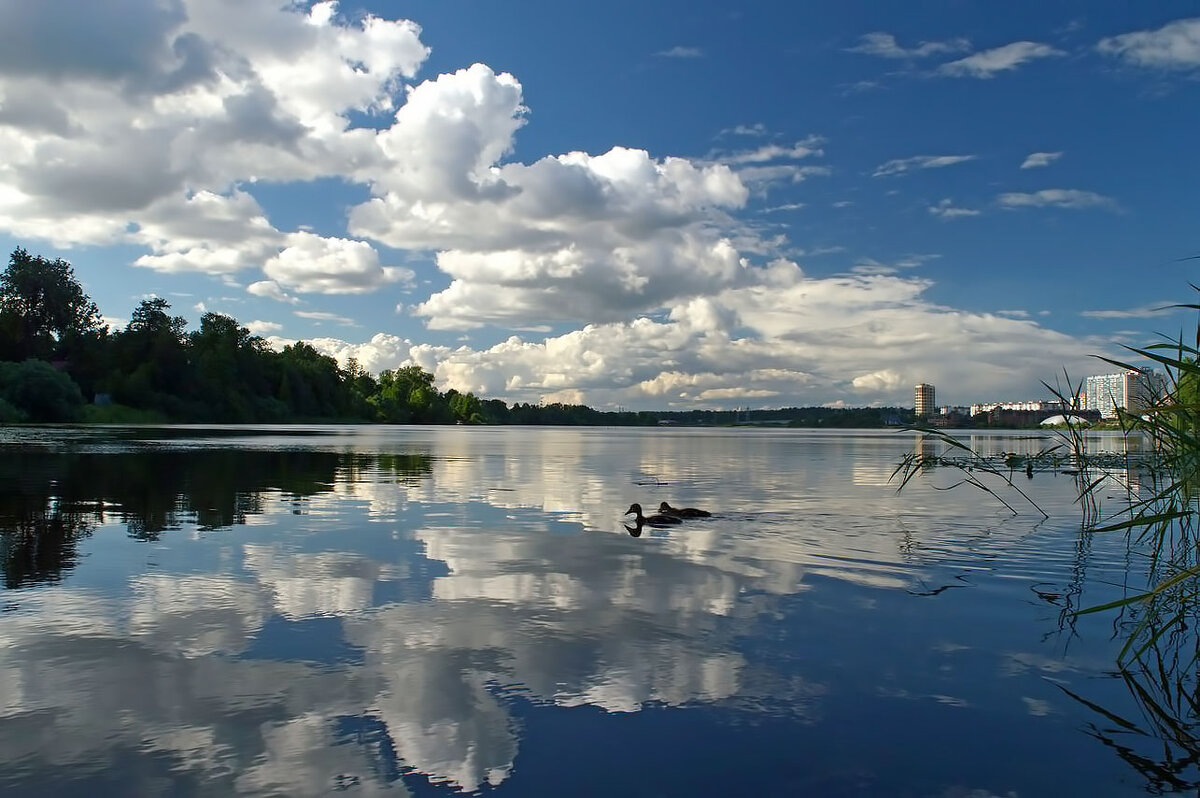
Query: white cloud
[(883, 381), (312, 264), (259, 327), (900, 166), (507, 286), (758, 177), (1056, 198), (271, 290), (783, 338), (382, 351), (870, 266), (149, 124), (679, 51), (1038, 159), (1144, 312), (1175, 45), (987, 63), (945, 209), (320, 315), (757, 129), (155, 131), (805, 148), (884, 45)]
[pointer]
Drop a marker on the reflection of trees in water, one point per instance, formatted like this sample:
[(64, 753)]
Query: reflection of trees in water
[(49, 501), (39, 525)]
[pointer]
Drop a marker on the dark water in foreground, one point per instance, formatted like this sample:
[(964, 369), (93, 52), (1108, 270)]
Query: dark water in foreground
[(428, 610)]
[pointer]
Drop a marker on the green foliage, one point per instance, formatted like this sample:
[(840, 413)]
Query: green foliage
[(10, 414), (39, 392), (44, 311)]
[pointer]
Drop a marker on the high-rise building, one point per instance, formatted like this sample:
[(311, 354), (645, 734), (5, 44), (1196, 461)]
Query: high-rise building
[(924, 402), (1131, 391)]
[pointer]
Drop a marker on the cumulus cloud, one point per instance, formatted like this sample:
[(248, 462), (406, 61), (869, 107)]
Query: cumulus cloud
[(883, 381), (884, 45), (901, 166), (1038, 159), (784, 338), (988, 63), (1174, 46), (271, 290), (312, 264), (153, 119), (382, 351), (1056, 198), (574, 236), (154, 133), (259, 327)]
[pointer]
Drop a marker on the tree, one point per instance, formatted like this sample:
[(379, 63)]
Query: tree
[(151, 358), (466, 407), (407, 395), (40, 392), (44, 311), (231, 371)]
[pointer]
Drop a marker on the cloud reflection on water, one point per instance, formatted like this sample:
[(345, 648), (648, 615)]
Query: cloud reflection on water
[(532, 596)]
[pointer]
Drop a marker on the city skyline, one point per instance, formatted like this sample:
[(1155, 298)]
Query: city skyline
[(672, 206)]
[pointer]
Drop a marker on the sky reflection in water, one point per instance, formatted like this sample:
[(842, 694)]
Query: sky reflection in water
[(418, 609)]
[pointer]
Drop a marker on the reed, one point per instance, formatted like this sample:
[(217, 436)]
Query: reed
[(1157, 510)]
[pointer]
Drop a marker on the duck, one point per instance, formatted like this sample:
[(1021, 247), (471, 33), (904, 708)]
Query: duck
[(682, 512), (651, 520)]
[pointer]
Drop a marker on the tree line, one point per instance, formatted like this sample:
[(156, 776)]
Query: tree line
[(60, 362)]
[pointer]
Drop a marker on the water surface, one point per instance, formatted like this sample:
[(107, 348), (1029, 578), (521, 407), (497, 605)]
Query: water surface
[(418, 610)]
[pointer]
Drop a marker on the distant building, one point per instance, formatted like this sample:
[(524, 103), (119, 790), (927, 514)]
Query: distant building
[(1131, 391), (1033, 405), (925, 403)]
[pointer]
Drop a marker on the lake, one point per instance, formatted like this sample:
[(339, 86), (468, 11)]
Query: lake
[(431, 610)]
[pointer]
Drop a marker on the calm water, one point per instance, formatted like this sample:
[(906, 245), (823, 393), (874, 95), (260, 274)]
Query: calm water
[(433, 610)]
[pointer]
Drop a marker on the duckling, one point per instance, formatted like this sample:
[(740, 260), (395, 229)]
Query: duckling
[(683, 512), (652, 520)]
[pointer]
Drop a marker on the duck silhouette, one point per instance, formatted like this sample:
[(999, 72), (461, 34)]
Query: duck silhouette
[(651, 520), (682, 512)]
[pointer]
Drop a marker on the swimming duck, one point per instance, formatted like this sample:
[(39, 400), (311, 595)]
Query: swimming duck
[(683, 512), (651, 520)]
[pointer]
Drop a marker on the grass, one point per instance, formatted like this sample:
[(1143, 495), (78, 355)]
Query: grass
[(120, 414)]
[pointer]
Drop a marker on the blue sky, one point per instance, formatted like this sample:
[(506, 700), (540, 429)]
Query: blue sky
[(670, 204)]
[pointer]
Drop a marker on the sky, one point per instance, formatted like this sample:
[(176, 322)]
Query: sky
[(642, 205)]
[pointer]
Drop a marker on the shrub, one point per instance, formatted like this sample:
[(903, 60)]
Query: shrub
[(40, 391)]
